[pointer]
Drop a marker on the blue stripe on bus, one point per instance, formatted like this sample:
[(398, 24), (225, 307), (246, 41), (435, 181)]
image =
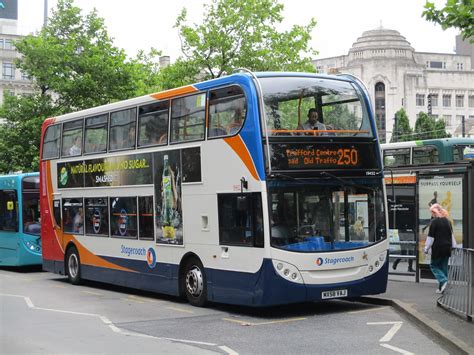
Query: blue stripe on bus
[(263, 288), (251, 132)]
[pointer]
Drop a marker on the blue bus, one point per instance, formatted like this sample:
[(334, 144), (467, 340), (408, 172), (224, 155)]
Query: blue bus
[(20, 222), (254, 189)]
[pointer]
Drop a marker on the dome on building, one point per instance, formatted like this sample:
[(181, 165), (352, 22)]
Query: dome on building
[(381, 38), (380, 43)]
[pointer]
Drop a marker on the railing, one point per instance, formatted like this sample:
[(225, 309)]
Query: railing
[(459, 294), (407, 252)]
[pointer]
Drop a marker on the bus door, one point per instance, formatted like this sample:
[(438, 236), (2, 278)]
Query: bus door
[(8, 225)]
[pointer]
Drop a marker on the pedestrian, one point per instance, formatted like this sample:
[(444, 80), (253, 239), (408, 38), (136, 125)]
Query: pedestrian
[(439, 240)]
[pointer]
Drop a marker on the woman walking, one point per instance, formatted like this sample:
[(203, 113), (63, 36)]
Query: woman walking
[(440, 241)]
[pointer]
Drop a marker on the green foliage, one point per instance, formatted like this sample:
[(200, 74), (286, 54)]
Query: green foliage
[(20, 134), (74, 57), (402, 131), (241, 34), (427, 127), (180, 73), (456, 14)]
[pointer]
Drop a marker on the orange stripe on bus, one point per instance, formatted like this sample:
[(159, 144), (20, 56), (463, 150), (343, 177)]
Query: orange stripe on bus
[(174, 92), (89, 258), (239, 147)]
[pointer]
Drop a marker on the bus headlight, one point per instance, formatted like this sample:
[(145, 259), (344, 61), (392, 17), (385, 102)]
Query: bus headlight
[(287, 271)]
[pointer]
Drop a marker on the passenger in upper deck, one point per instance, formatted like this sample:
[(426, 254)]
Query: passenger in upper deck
[(312, 123)]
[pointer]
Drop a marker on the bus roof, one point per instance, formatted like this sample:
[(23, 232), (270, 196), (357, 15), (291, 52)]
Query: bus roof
[(241, 77), (440, 142)]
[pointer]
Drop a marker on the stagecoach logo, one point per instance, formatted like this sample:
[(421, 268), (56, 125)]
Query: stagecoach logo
[(151, 258), (319, 261), (334, 261), (63, 177)]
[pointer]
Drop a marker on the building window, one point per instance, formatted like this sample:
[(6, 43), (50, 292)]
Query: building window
[(435, 116), (446, 100), (8, 44), (459, 100), (471, 100), (434, 100), (447, 120), (420, 100), (24, 76), (8, 70), (460, 66), (459, 119), (437, 65)]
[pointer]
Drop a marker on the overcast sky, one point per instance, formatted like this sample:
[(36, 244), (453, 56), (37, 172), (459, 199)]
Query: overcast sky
[(142, 24)]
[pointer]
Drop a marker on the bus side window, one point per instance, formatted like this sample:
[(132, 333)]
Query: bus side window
[(95, 136), (145, 218), (73, 214), (8, 211), (395, 157), (425, 155), (72, 138), (122, 129), (57, 212), (153, 124), (227, 109), (188, 116), (240, 219), (51, 142)]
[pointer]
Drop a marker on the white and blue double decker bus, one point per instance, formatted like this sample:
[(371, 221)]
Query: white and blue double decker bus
[(252, 189), (20, 240)]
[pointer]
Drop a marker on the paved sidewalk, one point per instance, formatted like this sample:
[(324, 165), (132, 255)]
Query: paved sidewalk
[(418, 301)]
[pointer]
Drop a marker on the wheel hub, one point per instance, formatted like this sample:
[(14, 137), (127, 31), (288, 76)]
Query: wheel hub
[(194, 281), (73, 265)]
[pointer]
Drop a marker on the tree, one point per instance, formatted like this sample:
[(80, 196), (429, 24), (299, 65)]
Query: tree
[(427, 127), (20, 134), (75, 66), (457, 13), (242, 34), (74, 57), (402, 131)]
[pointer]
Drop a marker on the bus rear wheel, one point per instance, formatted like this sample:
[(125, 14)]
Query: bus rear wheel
[(195, 283), (73, 266)]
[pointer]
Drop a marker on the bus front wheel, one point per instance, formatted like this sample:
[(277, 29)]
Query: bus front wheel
[(73, 265), (195, 283)]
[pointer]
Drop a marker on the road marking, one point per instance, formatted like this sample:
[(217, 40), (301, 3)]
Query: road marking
[(93, 293), (392, 331), (368, 310), (398, 350), (114, 328), (245, 323), (143, 299), (180, 309), (228, 350)]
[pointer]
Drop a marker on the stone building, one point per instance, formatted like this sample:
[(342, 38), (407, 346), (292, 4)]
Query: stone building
[(12, 80), (397, 76)]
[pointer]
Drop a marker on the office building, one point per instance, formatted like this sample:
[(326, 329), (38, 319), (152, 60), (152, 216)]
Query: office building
[(397, 76)]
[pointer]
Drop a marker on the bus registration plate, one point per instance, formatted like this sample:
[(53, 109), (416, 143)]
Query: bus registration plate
[(333, 294)]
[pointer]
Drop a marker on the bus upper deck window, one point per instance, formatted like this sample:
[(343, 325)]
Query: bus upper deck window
[(72, 138), (122, 129), (227, 110), (51, 142), (96, 134), (153, 124), (188, 115)]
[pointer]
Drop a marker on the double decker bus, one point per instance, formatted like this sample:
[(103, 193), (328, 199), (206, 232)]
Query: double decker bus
[(20, 239), (428, 151), (216, 192)]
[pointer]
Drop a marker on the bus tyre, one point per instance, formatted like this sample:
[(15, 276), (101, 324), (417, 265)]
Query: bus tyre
[(195, 282), (73, 266)]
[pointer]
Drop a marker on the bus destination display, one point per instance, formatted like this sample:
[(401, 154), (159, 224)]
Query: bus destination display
[(312, 156)]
